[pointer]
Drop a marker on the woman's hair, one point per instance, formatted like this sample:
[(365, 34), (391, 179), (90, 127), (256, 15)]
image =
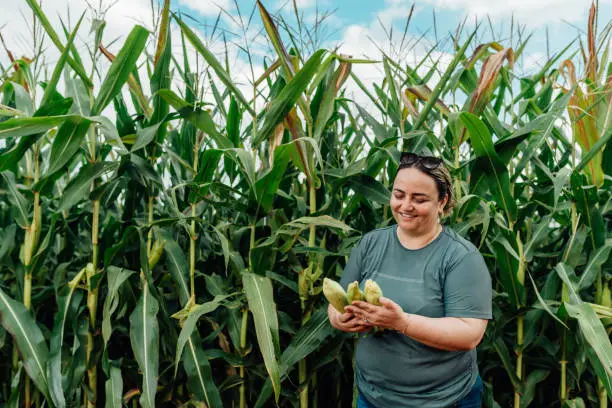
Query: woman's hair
[(434, 168)]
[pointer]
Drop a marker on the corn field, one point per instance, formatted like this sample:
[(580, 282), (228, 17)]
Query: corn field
[(165, 246)]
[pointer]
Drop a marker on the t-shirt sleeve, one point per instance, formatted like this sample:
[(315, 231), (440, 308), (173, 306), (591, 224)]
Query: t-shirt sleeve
[(467, 288), (352, 270)]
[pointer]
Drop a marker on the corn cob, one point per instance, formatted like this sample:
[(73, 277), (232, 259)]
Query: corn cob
[(156, 252), (353, 292), (372, 292), (335, 294)]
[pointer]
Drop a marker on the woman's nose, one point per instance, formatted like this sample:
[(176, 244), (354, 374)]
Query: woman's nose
[(407, 205)]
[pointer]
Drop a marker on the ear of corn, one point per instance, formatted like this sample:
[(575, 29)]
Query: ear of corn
[(335, 294), (372, 292), (156, 252), (353, 292)]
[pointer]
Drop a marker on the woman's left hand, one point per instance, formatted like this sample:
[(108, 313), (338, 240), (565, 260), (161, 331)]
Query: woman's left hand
[(389, 315)]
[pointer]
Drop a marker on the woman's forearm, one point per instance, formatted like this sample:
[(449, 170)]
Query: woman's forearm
[(446, 333)]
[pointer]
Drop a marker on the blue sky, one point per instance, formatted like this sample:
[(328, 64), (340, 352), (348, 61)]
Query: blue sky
[(560, 16), (357, 27), (564, 20)]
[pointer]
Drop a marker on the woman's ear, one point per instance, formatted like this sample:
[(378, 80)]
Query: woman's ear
[(443, 205)]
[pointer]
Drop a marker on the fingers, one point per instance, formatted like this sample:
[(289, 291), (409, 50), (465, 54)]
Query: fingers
[(360, 328), (356, 324), (362, 305), (358, 307), (388, 303), (345, 317)]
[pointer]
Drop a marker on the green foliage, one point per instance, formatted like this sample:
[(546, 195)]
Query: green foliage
[(175, 253)]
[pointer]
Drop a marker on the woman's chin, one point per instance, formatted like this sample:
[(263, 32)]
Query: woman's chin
[(408, 225)]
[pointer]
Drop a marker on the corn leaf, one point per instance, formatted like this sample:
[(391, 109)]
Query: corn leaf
[(74, 63), (287, 97), (586, 199), (326, 108), (195, 362), (424, 94), (13, 401), (543, 302), (144, 338), (21, 206), (189, 324), (483, 147), (214, 63), (164, 31), (145, 136), (79, 187), (486, 81), (267, 185), (308, 339), (115, 278), (275, 39), (530, 383), (596, 338), (199, 373), (114, 388), (593, 268), (66, 143), (177, 265), (507, 262), (33, 348), (18, 127), (161, 77), (369, 188), (68, 303), (200, 118), (121, 68), (8, 111), (78, 92), (59, 67), (539, 130), (504, 355), (442, 84), (261, 304)]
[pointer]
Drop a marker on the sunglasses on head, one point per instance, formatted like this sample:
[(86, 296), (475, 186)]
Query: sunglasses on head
[(413, 159)]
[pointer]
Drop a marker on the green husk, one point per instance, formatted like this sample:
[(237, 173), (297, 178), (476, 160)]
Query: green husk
[(353, 292), (335, 294), (372, 292)]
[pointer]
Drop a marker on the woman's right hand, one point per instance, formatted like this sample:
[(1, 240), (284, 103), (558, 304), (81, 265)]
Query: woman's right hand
[(347, 322)]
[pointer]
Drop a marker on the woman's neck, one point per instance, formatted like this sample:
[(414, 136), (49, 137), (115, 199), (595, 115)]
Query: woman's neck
[(418, 241)]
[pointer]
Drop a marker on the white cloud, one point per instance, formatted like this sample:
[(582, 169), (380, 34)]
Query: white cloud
[(16, 20), (303, 4), (370, 41), (395, 11), (530, 12), (208, 7)]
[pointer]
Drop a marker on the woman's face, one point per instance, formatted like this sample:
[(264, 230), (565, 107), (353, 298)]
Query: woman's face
[(414, 202)]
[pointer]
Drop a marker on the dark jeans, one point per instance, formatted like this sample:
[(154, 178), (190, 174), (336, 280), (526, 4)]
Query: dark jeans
[(472, 400)]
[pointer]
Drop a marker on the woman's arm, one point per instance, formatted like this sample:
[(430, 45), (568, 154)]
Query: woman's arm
[(446, 333)]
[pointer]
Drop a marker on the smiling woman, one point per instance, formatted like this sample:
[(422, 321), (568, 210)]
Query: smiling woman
[(438, 299)]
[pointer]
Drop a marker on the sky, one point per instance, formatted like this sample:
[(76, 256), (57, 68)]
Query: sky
[(360, 28)]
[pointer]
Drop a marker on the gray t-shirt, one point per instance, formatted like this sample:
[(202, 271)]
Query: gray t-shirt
[(446, 278)]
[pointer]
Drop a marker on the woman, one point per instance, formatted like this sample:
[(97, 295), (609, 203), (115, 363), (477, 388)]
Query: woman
[(437, 299)]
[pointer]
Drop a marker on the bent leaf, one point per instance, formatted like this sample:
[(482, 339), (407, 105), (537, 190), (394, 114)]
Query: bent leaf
[(144, 337), (261, 304), (18, 321)]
